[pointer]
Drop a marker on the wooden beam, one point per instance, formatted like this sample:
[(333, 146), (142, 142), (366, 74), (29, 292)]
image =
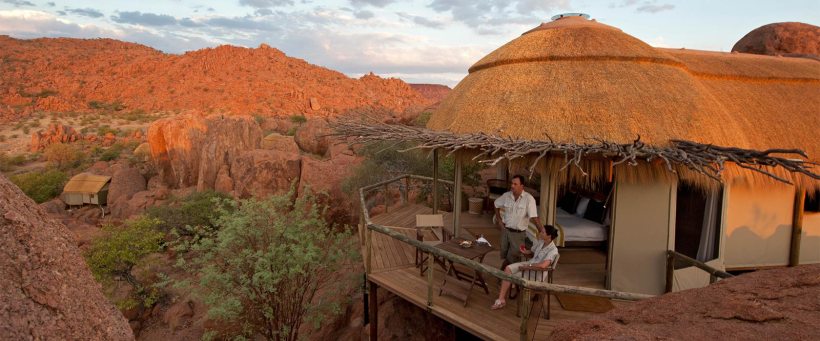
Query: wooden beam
[(457, 194), (435, 181), (430, 263), (374, 311), (526, 303), (797, 226), (679, 257)]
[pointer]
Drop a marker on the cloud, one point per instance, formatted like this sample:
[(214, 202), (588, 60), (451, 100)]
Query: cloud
[(265, 3), (375, 3), (363, 14), (654, 8), (86, 12), (645, 6), (145, 19), (488, 16), (423, 21), (19, 3), (51, 4)]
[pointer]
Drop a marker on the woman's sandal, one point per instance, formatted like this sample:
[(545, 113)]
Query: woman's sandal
[(498, 305)]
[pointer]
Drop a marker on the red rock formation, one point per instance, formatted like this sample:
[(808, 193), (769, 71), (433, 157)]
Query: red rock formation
[(54, 133), (782, 304), (433, 92), (72, 74), (787, 38), (261, 173), (46, 290), (312, 137)]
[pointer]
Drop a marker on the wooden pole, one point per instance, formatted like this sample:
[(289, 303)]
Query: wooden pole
[(525, 312), (457, 193), (670, 270), (374, 312), (430, 264), (406, 197), (368, 240), (797, 226), (679, 257), (386, 197), (435, 181)]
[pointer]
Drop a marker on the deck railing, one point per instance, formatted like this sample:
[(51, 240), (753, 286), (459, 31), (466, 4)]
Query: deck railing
[(528, 286), (673, 257)]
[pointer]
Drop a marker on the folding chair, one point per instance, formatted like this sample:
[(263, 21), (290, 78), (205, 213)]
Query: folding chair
[(435, 222)]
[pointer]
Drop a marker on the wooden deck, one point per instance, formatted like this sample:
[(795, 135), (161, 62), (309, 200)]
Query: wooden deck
[(393, 270)]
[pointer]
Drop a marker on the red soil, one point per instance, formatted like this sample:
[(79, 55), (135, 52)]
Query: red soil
[(68, 74)]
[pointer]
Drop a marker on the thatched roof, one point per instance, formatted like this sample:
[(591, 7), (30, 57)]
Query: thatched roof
[(86, 183), (575, 87), (573, 79)]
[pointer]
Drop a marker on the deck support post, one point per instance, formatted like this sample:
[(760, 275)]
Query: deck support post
[(457, 194), (435, 181), (524, 309), (797, 226), (374, 311), (670, 271), (368, 257), (406, 195), (430, 264)]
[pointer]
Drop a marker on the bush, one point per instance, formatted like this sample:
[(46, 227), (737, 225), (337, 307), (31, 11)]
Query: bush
[(195, 210), (41, 186), (298, 119), (272, 265), (115, 254), (259, 119), (63, 156), (8, 163)]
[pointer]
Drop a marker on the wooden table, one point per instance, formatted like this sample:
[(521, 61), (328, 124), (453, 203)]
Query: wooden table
[(454, 277)]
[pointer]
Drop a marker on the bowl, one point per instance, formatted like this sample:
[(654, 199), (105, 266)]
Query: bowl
[(465, 244)]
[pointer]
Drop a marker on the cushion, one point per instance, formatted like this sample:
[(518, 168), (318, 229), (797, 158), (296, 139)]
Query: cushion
[(595, 211), (568, 202), (582, 207)]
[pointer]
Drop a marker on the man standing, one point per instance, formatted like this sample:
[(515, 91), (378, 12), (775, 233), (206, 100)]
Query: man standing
[(519, 210)]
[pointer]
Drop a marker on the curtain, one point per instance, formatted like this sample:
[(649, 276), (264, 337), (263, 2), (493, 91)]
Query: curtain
[(706, 248)]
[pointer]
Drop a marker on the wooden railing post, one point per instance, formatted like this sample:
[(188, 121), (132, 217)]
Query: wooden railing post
[(797, 226), (430, 264), (386, 197), (524, 310), (670, 270), (369, 250)]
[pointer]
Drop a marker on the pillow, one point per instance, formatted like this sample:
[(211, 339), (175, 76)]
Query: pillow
[(595, 211), (568, 202), (582, 207)]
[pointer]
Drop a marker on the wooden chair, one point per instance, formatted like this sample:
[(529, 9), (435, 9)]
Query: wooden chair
[(435, 222), (538, 274)]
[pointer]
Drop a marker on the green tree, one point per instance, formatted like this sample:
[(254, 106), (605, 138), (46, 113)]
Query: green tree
[(62, 156), (271, 265), (115, 254), (197, 209), (41, 186)]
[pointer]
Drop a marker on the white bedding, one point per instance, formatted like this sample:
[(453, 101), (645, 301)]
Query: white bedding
[(577, 229)]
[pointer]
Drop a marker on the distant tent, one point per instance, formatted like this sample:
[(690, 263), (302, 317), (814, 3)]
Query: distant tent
[(85, 188)]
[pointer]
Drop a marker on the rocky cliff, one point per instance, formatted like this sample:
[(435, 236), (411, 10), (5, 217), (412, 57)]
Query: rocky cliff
[(46, 289), (787, 38)]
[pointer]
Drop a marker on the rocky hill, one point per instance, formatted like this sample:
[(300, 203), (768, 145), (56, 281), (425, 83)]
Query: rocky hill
[(433, 92), (788, 38), (65, 74), (46, 289)]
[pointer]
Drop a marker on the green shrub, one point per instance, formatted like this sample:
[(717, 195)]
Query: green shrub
[(110, 154), (8, 163), (298, 119), (292, 131), (113, 256), (195, 210), (105, 129), (271, 266), (62, 155), (422, 119), (113, 106), (41, 186), (259, 119)]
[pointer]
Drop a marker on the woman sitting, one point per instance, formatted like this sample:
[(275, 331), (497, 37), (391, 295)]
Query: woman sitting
[(544, 253)]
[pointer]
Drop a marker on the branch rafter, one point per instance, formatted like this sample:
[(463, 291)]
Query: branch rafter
[(706, 159)]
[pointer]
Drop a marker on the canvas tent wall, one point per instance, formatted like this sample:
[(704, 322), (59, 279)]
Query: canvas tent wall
[(85, 188)]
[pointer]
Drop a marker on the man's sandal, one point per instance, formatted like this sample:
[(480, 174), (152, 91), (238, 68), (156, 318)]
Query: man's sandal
[(498, 305)]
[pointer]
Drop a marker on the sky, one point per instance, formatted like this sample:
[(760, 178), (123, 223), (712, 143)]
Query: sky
[(419, 41)]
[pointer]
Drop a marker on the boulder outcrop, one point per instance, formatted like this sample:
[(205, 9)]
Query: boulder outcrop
[(260, 173), (54, 133), (312, 137), (787, 39), (125, 182), (46, 289), (779, 304)]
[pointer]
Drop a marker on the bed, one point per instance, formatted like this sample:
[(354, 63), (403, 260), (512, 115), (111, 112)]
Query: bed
[(577, 229)]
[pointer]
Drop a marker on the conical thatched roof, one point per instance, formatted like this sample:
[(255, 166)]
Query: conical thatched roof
[(574, 79)]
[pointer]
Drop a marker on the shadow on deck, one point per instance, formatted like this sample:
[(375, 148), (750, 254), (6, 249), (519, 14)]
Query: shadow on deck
[(393, 269)]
